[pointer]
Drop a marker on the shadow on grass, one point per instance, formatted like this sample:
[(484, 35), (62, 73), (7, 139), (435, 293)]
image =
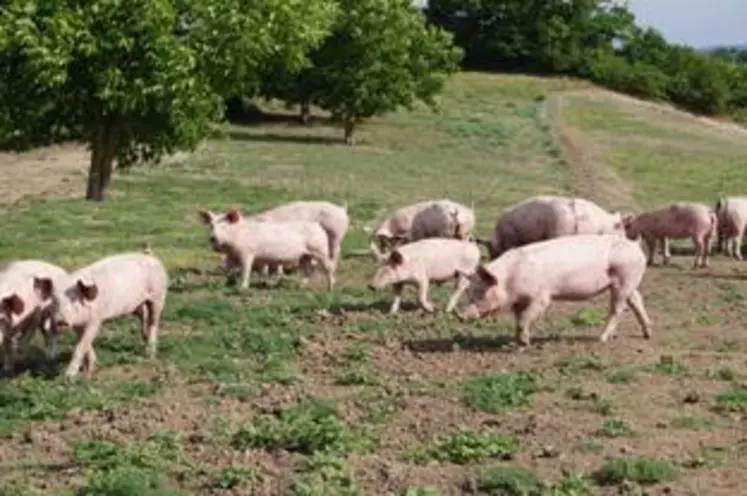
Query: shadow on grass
[(239, 135), (381, 306), (504, 343), (38, 366)]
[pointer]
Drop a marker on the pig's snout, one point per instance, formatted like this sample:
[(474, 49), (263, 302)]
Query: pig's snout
[(214, 243)]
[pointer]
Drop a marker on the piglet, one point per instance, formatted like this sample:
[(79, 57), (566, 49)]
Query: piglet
[(115, 286), (23, 310), (572, 268), (244, 241), (425, 261)]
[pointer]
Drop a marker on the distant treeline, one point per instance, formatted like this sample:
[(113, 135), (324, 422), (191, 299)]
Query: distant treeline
[(597, 40)]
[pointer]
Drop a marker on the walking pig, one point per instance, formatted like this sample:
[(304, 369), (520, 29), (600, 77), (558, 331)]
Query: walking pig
[(115, 286), (23, 310), (426, 261), (677, 220), (731, 213), (245, 241), (570, 268)]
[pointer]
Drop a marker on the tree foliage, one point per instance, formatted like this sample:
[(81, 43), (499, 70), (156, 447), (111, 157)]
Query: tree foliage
[(380, 55), (596, 39), (137, 79)]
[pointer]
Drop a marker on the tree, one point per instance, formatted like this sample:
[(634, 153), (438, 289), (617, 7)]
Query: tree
[(138, 79), (380, 56)]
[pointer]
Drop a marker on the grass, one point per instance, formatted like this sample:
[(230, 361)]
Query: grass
[(289, 389)]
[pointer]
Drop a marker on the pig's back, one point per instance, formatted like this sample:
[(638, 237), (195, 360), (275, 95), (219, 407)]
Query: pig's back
[(441, 258)]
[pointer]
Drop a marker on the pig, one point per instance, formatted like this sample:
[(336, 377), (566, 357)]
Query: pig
[(427, 219), (245, 240), (545, 217), (332, 218), (676, 220), (568, 268), (425, 261), (731, 214), (23, 310), (123, 284)]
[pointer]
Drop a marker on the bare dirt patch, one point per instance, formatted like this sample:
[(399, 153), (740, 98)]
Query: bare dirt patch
[(57, 171)]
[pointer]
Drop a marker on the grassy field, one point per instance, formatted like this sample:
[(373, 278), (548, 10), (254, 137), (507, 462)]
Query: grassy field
[(288, 389)]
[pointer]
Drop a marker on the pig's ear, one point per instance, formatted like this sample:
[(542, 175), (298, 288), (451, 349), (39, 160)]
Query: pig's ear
[(395, 259), (87, 291), (13, 305), (233, 216), (627, 220), (486, 276), (206, 216), (44, 287)]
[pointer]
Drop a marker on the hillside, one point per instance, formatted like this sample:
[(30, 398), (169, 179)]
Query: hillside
[(249, 390)]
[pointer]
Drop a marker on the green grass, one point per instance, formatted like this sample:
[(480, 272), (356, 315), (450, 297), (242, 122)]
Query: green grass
[(637, 470), (309, 392)]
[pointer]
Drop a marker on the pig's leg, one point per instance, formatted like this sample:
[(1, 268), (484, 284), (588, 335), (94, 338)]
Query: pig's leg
[(527, 316), (142, 315), (700, 251), (423, 285), (738, 244), (7, 353), (83, 349), (462, 282), (246, 269), (635, 303), (397, 288), (328, 267), (667, 253), (617, 305), (51, 339), (155, 309), (650, 249)]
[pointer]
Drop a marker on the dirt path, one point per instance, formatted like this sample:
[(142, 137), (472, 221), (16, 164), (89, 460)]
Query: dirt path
[(51, 171), (591, 177)]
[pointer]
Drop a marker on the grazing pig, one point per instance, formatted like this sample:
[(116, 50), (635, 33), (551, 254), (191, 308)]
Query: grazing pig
[(425, 261), (570, 268), (731, 213), (332, 218), (115, 286), (545, 217), (245, 241), (23, 310), (428, 219), (677, 220)]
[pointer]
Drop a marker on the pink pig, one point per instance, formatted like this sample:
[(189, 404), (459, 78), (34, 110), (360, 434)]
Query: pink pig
[(115, 286), (526, 280), (677, 220), (425, 261), (731, 212), (23, 310)]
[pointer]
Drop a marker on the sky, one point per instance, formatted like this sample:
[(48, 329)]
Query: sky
[(695, 22), (699, 23)]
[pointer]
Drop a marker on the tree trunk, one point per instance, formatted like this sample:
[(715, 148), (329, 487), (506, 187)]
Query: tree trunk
[(349, 131), (103, 151), (305, 116)]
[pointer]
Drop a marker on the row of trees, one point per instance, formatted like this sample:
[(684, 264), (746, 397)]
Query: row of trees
[(137, 79), (593, 39)]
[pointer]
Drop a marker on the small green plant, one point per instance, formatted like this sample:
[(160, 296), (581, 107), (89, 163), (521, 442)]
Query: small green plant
[(510, 481), (588, 317), (637, 470), (591, 445), (721, 374), (358, 376), (691, 423), (616, 428), (357, 352), (669, 366), (307, 428), (323, 474), (621, 376), (127, 481), (732, 400), (231, 477), (708, 456), (572, 484), (577, 363), (596, 403), (493, 393), (421, 491), (466, 446)]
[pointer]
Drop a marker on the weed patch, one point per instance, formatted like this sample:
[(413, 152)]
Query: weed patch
[(466, 446), (493, 393), (637, 470)]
